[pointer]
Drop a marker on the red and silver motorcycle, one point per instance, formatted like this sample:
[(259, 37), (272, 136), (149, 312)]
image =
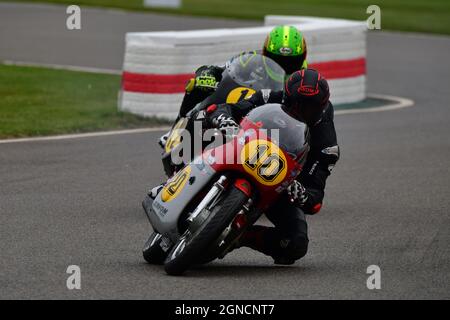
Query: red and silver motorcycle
[(204, 208)]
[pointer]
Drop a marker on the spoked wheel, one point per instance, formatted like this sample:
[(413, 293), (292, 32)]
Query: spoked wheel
[(152, 252), (193, 243)]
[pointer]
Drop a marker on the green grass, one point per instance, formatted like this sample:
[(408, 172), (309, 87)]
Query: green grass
[(414, 15), (39, 101)]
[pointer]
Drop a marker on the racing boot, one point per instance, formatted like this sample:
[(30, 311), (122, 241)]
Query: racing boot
[(152, 193), (163, 140), (148, 200), (252, 238), (265, 240)]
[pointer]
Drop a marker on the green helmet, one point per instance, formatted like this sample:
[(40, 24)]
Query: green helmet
[(287, 47)]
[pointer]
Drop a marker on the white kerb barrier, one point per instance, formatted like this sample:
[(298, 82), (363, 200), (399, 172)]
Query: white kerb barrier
[(157, 65)]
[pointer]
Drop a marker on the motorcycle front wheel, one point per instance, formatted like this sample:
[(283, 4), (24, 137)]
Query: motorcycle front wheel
[(152, 252), (192, 244)]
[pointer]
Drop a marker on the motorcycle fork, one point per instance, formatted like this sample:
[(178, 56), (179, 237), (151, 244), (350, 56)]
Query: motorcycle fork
[(208, 202), (210, 199)]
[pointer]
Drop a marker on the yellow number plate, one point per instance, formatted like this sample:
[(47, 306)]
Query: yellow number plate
[(265, 161)]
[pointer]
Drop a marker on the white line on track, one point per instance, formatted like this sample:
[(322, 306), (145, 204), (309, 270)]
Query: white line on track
[(85, 135), (400, 103), (61, 67)]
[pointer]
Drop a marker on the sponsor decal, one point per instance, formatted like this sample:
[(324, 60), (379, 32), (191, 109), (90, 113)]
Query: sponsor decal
[(206, 81), (266, 94), (332, 151), (159, 208), (285, 51), (308, 90), (313, 168), (284, 243)]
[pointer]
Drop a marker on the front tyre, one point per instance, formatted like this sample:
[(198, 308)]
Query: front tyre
[(192, 244), (152, 252)]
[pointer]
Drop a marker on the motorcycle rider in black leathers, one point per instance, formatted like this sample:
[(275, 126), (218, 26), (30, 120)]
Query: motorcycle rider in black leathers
[(306, 98)]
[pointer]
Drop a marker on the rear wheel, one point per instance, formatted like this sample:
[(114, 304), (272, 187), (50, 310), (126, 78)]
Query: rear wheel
[(193, 243), (152, 252)]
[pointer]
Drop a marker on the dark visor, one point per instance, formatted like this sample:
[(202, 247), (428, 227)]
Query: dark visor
[(290, 64)]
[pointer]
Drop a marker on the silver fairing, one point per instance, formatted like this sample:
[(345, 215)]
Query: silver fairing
[(167, 209)]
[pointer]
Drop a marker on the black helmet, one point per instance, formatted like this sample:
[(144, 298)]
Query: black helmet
[(306, 96)]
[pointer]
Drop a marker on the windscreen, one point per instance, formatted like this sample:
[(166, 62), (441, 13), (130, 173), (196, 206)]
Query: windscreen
[(257, 72), (292, 134)]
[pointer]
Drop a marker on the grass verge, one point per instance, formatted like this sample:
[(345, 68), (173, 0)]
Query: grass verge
[(39, 101), (414, 15)]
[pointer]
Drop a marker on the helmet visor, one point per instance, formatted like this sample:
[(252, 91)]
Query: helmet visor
[(306, 111), (290, 64)]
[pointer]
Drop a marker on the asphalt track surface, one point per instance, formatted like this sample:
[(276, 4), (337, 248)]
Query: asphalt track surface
[(38, 33), (387, 203)]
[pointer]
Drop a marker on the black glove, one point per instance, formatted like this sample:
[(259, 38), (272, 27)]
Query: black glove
[(226, 125), (297, 193)]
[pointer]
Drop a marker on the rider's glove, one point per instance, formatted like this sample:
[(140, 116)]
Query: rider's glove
[(297, 193), (226, 125), (206, 79)]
